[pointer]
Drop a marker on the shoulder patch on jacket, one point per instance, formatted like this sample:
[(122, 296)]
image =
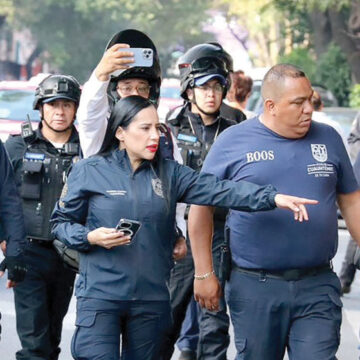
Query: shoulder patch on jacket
[(157, 187)]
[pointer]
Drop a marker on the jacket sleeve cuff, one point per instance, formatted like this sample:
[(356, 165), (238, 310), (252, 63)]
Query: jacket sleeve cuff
[(272, 194), (86, 244)]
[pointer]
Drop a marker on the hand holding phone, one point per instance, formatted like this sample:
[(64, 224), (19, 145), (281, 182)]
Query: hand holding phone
[(128, 227), (143, 57)]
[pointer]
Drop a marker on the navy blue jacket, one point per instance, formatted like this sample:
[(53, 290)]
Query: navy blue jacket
[(11, 213), (101, 190)]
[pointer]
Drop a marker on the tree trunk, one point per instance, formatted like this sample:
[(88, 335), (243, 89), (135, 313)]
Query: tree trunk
[(37, 51), (345, 42), (322, 31)]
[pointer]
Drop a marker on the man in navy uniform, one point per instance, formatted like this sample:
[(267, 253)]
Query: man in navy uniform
[(282, 292)]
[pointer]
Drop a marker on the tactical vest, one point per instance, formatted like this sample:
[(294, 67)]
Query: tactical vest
[(194, 146), (166, 145), (44, 172), (191, 140)]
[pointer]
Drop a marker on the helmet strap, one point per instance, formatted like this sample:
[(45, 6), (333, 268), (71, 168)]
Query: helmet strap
[(202, 111)]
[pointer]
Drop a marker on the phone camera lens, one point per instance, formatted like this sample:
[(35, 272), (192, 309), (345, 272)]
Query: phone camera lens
[(127, 232)]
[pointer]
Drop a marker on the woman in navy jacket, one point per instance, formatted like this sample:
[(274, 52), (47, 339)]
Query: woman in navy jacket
[(121, 290)]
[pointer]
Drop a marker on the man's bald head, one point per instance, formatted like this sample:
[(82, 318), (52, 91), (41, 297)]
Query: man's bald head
[(272, 86)]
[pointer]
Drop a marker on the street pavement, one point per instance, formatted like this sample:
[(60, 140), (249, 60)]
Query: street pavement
[(349, 332)]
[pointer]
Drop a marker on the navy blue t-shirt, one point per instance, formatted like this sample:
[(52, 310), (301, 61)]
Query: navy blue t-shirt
[(316, 167)]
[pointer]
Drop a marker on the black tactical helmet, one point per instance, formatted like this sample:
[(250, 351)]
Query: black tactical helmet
[(201, 60), (57, 87), (227, 58), (137, 39)]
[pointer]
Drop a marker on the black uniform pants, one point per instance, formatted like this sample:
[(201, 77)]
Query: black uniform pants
[(213, 327), (41, 302)]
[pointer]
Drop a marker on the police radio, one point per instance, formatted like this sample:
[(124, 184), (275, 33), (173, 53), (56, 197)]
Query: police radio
[(191, 150), (27, 132)]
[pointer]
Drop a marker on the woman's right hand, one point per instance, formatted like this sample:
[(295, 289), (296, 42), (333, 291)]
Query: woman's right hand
[(107, 237)]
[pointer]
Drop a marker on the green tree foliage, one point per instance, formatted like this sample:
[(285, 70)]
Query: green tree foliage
[(74, 32), (355, 96), (304, 59), (333, 71)]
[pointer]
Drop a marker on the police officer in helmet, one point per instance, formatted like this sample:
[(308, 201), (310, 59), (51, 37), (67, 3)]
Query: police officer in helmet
[(204, 83), (41, 160), (112, 79)]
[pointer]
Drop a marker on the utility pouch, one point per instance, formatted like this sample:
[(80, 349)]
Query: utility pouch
[(31, 182), (70, 257), (225, 260)]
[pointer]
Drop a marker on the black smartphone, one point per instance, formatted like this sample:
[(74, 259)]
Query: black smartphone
[(128, 227)]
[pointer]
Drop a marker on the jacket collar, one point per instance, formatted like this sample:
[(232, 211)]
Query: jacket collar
[(74, 137), (196, 118), (121, 158)]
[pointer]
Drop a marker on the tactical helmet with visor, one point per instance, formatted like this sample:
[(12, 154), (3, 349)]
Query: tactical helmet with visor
[(56, 87), (136, 39), (200, 61)]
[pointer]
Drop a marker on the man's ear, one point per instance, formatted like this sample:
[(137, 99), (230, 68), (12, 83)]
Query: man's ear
[(120, 133), (269, 106), (190, 94)]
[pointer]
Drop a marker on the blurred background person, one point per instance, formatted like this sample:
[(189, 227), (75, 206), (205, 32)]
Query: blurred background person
[(348, 269), (319, 116), (239, 92)]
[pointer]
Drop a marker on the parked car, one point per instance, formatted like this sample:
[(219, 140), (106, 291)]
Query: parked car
[(16, 99), (343, 115), (169, 97)]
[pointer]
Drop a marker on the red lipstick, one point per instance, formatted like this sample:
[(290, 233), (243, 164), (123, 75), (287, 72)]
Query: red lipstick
[(152, 148)]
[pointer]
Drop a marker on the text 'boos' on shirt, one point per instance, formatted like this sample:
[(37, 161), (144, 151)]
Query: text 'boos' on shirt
[(316, 167)]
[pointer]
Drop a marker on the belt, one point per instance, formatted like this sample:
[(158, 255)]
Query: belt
[(288, 275), (45, 243)]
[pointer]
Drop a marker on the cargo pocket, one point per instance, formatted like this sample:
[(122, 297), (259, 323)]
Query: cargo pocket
[(84, 321), (335, 300), (240, 348), (31, 180), (336, 313)]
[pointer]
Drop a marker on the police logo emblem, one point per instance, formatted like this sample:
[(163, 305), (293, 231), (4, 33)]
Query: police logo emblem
[(319, 152), (157, 187)]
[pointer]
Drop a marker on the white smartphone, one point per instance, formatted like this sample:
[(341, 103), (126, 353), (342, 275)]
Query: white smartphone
[(143, 57)]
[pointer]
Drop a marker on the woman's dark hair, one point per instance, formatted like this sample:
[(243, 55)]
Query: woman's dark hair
[(122, 115), (241, 86)]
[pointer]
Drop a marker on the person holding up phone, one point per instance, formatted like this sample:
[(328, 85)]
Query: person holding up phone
[(116, 76), (121, 290)]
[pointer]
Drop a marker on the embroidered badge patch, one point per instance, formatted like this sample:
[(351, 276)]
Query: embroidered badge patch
[(319, 152), (157, 187)]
